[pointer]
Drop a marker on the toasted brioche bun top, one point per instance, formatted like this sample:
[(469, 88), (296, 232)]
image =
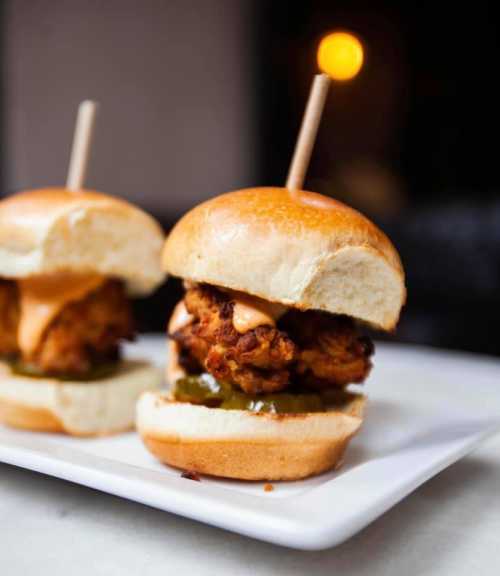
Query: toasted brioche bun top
[(303, 249), (55, 230)]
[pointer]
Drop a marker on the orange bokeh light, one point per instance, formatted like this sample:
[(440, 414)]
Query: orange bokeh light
[(340, 55)]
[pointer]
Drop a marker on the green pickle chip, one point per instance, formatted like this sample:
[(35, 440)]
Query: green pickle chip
[(95, 373), (202, 389), (206, 390)]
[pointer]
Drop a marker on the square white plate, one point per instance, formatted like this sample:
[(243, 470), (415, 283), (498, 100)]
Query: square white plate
[(426, 410)]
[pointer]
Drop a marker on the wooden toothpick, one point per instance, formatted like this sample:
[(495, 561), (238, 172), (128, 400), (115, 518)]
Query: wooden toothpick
[(82, 140), (308, 131)]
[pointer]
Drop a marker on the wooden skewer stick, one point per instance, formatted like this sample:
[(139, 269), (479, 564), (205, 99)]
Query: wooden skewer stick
[(82, 140), (308, 131)]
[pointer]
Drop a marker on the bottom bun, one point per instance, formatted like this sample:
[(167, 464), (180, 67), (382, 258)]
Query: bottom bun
[(246, 445), (94, 408)]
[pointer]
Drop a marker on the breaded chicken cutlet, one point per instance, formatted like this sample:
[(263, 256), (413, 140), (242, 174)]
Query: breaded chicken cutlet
[(309, 348)]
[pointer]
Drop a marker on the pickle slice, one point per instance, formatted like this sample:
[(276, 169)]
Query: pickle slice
[(206, 390), (202, 389), (95, 373)]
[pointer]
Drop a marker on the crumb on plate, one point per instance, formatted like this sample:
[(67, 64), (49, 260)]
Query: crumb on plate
[(190, 475)]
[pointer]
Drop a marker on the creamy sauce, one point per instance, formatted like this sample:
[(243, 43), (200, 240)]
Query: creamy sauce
[(250, 312), (43, 297), (180, 317), (173, 371)]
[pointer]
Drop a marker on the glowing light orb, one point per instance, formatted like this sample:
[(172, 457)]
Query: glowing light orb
[(340, 55)]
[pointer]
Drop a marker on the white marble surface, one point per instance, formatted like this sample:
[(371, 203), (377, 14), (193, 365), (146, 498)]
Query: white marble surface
[(451, 525)]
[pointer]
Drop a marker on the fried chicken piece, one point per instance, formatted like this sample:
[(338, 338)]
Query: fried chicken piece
[(332, 353), (256, 361), (85, 333), (315, 349), (258, 368), (9, 317)]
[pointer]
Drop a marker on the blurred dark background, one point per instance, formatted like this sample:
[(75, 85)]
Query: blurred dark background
[(202, 96)]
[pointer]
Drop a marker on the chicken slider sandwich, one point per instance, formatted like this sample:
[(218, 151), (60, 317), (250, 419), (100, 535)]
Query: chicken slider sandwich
[(69, 262), (268, 337)]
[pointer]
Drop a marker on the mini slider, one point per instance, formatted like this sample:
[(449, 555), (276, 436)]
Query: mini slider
[(70, 259), (269, 335)]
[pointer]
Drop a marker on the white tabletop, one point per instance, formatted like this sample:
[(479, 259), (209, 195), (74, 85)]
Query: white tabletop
[(451, 525)]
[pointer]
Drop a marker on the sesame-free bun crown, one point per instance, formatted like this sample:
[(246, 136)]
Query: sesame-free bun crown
[(301, 249), (55, 230)]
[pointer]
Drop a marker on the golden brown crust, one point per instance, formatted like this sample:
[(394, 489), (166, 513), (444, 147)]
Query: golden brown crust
[(249, 460), (9, 317), (31, 203), (287, 212), (316, 349), (85, 333), (16, 415), (301, 249), (28, 418)]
